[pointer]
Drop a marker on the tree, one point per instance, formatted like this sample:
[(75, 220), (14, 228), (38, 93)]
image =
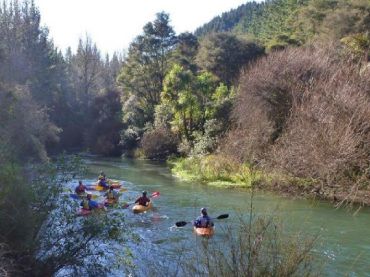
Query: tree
[(178, 93), (103, 134), (190, 99), (224, 54), (186, 51), (86, 67), (147, 63)]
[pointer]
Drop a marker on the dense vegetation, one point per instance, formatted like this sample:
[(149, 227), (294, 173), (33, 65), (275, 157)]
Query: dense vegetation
[(279, 87)]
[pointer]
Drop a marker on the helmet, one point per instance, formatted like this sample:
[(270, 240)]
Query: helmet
[(144, 192), (80, 182), (203, 211), (88, 196), (102, 173)]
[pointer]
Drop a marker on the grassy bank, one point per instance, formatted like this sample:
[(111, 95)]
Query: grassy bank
[(218, 171), (223, 171)]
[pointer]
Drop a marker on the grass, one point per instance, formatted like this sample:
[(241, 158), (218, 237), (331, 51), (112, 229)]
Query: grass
[(216, 170)]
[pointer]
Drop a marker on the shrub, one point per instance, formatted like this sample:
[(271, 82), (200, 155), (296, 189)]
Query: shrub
[(306, 111), (159, 143)]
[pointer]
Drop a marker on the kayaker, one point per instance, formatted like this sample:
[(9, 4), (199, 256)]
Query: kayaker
[(143, 200), (89, 204), (111, 194), (203, 221), (102, 180), (101, 175), (80, 189)]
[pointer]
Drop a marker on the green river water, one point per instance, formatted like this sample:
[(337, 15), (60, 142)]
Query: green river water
[(343, 247)]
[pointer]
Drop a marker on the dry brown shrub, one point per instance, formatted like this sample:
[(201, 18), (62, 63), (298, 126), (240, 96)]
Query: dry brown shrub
[(306, 111), (159, 143)]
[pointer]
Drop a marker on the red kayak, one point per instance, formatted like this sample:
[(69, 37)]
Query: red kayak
[(84, 212)]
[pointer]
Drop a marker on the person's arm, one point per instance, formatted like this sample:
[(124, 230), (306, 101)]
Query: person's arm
[(137, 200)]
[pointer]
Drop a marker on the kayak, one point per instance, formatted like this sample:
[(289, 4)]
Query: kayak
[(101, 188), (140, 209), (83, 212), (204, 231), (110, 202), (78, 196)]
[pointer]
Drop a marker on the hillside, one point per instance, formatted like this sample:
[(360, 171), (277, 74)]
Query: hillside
[(278, 23)]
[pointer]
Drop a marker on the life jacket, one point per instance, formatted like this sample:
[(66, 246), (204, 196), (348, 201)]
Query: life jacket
[(85, 204), (80, 189), (204, 222)]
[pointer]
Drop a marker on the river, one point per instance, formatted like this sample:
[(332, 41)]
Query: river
[(343, 247)]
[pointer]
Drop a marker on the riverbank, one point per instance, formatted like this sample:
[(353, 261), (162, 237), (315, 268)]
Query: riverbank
[(221, 171)]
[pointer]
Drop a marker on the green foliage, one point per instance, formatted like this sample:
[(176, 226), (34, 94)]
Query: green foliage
[(228, 20), (146, 65), (218, 170), (279, 23), (224, 54), (185, 51), (25, 127), (103, 135), (358, 46)]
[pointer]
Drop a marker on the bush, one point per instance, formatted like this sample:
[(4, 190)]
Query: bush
[(306, 111), (159, 143)]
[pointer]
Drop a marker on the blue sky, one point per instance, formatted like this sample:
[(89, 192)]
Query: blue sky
[(113, 24)]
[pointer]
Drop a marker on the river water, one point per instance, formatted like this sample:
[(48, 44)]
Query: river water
[(343, 247)]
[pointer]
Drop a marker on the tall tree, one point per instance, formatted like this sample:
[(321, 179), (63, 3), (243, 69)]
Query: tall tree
[(147, 64), (86, 66)]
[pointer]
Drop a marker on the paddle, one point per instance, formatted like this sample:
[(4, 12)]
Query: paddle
[(183, 223), (78, 197), (153, 195)]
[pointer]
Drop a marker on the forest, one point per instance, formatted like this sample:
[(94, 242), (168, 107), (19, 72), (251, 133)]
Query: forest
[(272, 95)]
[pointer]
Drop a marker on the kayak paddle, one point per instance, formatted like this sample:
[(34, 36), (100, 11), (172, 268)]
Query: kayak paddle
[(183, 223), (78, 197)]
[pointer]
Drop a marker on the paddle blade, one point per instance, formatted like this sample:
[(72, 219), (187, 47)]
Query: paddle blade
[(222, 216), (155, 194), (181, 223)]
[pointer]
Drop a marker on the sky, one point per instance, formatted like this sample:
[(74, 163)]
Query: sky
[(113, 24)]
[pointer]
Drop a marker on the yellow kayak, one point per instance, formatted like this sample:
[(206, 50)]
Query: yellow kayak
[(204, 231), (140, 209), (110, 202), (113, 183)]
